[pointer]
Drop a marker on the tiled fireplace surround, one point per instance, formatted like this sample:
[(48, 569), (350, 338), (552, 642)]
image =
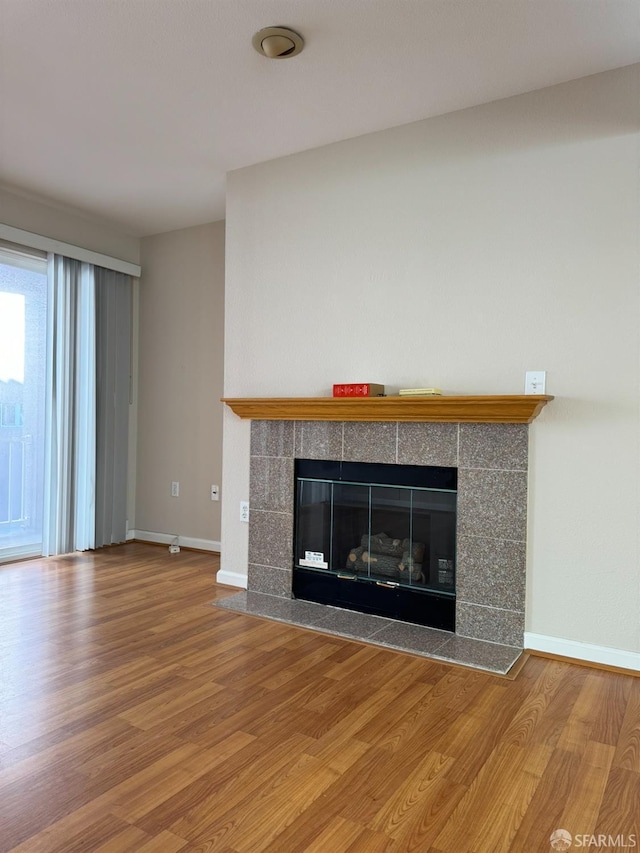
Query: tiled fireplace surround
[(492, 505)]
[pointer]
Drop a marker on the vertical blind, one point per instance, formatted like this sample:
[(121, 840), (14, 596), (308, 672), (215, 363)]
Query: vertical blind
[(113, 373), (88, 406), (69, 481)]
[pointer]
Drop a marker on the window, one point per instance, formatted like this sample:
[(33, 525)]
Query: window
[(23, 324)]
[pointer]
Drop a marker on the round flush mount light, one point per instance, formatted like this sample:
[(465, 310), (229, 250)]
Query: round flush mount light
[(278, 42)]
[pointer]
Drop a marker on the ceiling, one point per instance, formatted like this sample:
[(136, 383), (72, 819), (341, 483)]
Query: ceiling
[(134, 110)]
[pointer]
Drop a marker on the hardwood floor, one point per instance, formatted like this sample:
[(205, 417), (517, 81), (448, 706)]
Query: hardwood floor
[(136, 717)]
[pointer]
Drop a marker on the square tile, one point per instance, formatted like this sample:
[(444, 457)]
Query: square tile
[(370, 442), (491, 572), (492, 504), (271, 606), (271, 539), (428, 444), (318, 440), (349, 623), (271, 483), (489, 623), (307, 614), (233, 602), (477, 653), (289, 610), (503, 446), (270, 580), (272, 438), (411, 638)]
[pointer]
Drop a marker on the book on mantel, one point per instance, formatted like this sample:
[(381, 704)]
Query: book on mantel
[(420, 392), (358, 389)]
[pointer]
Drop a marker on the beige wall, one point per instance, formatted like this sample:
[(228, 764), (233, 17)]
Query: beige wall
[(68, 226), (180, 347), (460, 252)]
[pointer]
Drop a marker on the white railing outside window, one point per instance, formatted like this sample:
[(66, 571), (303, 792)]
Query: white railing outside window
[(14, 498)]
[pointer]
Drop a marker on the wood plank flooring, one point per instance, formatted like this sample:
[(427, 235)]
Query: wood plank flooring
[(134, 716)]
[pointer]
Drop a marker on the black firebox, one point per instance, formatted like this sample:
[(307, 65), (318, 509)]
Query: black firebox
[(377, 538)]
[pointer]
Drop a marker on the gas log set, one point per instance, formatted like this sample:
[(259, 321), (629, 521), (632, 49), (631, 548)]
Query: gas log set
[(397, 559)]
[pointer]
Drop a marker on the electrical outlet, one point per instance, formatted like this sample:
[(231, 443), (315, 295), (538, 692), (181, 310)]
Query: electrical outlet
[(244, 511), (535, 381), (215, 493), (175, 489)]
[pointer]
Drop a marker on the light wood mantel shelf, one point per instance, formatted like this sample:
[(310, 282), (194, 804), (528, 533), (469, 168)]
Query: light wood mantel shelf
[(505, 409)]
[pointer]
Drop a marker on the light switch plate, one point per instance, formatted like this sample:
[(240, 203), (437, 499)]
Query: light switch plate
[(535, 381)]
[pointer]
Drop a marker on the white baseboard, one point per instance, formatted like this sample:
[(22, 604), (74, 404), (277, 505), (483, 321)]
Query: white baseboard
[(582, 651), (231, 578), (167, 538), (200, 544)]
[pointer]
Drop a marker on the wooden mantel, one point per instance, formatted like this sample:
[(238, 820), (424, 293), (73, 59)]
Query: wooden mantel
[(505, 409)]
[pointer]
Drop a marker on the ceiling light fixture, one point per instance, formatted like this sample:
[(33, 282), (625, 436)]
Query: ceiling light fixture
[(277, 42)]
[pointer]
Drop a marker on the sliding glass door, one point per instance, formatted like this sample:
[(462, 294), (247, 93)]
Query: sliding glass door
[(23, 336)]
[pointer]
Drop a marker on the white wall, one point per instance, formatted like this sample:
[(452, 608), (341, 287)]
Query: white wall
[(460, 252), (179, 422)]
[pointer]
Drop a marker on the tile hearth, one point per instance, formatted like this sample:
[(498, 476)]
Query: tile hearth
[(388, 633)]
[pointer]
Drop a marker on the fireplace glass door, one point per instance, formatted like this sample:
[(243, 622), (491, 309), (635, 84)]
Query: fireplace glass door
[(385, 546)]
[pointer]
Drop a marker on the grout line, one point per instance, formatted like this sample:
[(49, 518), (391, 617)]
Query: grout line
[(495, 539), (490, 607), (501, 470)]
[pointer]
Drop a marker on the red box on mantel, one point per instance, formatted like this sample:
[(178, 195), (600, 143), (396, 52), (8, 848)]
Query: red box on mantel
[(358, 389)]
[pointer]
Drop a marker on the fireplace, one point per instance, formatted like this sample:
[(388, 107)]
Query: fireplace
[(491, 460), (377, 538)]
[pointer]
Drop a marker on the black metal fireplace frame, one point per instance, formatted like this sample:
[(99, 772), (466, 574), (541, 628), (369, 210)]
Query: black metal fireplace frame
[(416, 605)]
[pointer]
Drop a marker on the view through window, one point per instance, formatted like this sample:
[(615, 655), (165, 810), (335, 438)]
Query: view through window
[(23, 324)]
